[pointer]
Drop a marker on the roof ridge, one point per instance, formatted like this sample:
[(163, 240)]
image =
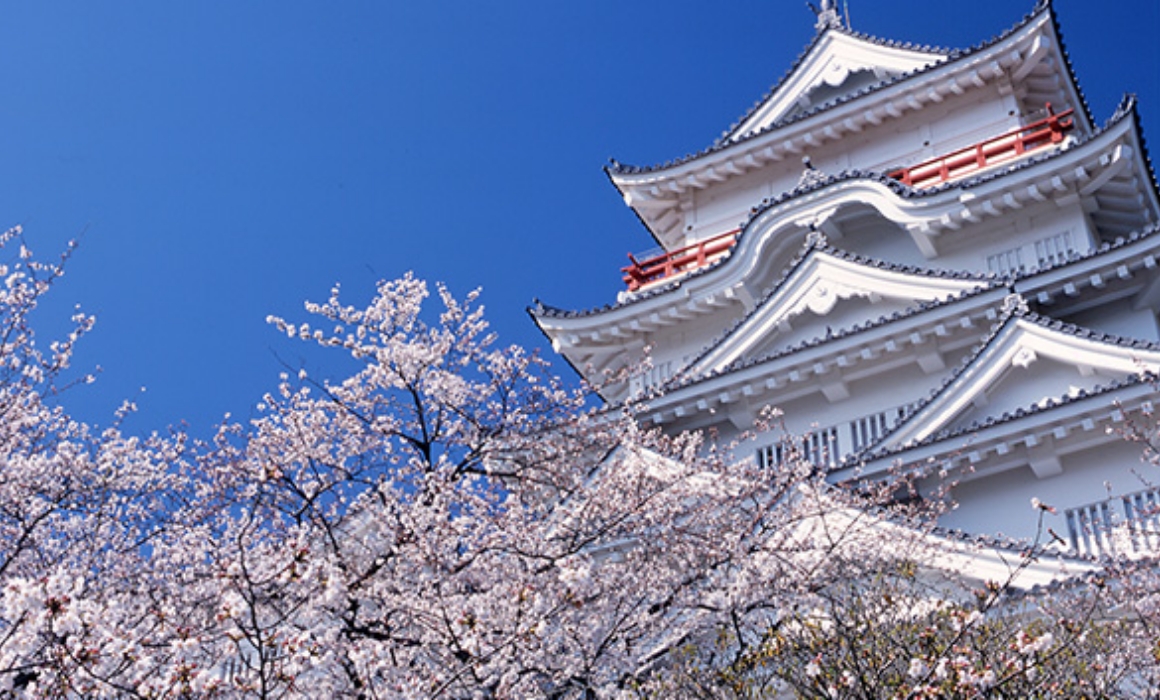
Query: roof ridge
[(889, 514), (1086, 333), (816, 245), (1046, 404), (1127, 108), (952, 56), (860, 36), (1011, 313), (850, 331)]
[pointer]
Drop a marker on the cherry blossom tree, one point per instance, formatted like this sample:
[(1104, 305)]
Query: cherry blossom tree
[(448, 520), (889, 629), (79, 511)]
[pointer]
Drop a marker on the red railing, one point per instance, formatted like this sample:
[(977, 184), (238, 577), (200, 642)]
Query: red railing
[(675, 262), (990, 152)]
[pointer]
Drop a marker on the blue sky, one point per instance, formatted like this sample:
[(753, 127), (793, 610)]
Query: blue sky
[(222, 160)]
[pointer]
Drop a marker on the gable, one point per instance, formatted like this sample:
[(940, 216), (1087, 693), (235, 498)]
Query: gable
[(1026, 364), (853, 308), (824, 294), (836, 65), (1041, 382)]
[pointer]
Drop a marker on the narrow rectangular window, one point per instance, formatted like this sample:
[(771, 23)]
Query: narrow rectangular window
[(1006, 262), (1053, 250)]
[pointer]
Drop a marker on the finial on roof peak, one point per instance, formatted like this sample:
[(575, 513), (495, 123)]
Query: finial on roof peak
[(828, 15)]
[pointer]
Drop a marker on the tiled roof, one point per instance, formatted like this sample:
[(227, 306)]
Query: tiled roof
[(953, 56), (1000, 541), (812, 248), (679, 382), (1127, 108), (723, 140), (871, 453), (541, 309), (1076, 258), (1036, 408), (996, 541)]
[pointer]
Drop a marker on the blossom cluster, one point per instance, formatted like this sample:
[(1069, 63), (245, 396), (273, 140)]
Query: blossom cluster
[(449, 521)]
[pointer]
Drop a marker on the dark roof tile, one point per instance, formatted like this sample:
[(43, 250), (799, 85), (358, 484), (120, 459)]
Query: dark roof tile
[(953, 56), (1053, 402), (680, 381), (1126, 109)]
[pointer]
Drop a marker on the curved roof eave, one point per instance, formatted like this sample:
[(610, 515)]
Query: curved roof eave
[(608, 172), (954, 59), (1108, 253), (532, 313), (1129, 104), (949, 191), (814, 249), (904, 50), (979, 295), (888, 446), (966, 557), (949, 443)]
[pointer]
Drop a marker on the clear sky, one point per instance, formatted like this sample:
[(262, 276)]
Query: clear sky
[(221, 160)]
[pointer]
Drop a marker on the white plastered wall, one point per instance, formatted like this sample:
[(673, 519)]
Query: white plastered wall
[(916, 136), (1001, 503)]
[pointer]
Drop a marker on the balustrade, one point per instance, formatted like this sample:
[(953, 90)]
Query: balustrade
[(676, 262), (1121, 525), (998, 149)]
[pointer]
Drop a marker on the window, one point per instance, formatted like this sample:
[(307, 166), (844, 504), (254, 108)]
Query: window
[(870, 429), (826, 447), (1124, 524), (820, 448), (1053, 250), (1006, 262), (658, 374)]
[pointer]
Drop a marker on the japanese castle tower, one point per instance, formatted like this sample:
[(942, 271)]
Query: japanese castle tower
[(926, 260)]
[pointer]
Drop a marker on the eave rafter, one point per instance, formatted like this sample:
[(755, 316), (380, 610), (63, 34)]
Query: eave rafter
[(1075, 175), (617, 328), (1128, 270)]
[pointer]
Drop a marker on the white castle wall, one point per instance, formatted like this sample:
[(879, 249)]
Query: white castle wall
[(1001, 503), (958, 122), (1120, 319)]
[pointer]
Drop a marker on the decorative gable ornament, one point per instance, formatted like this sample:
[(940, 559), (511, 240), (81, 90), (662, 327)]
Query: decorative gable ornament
[(821, 279), (1021, 342), (838, 64)]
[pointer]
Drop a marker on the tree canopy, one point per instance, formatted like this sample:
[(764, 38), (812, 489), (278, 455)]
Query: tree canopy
[(449, 520)]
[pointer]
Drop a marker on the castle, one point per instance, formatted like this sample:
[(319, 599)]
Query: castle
[(932, 262)]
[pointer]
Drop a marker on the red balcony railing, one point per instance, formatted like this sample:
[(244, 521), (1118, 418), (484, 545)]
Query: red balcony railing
[(1012, 144), (1046, 131), (675, 262)]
